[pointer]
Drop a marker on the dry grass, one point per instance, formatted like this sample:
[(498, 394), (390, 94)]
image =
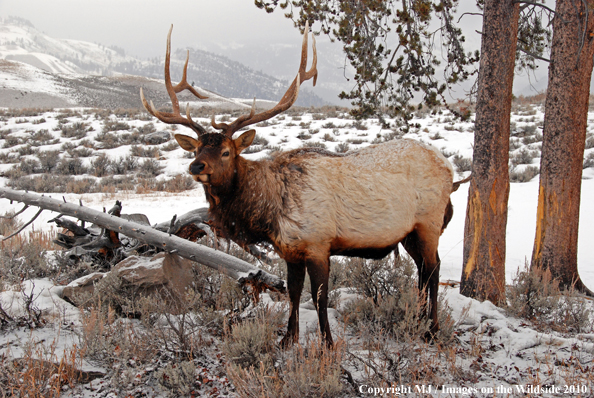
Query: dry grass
[(309, 370), (39, 373)]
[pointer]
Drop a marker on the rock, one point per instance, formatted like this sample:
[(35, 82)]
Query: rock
[(162, 269), (168, 276), (156, 138), (78, 290)]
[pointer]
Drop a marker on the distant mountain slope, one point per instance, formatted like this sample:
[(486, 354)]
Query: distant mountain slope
[(25, 86), (20, 41)]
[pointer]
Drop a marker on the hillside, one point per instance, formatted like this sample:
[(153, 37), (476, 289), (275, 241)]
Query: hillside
[(73, 59)]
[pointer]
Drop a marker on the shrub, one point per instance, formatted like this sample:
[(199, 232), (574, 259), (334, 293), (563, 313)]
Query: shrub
[(523, 156), (525, 175), (179, 183), (27, 150), (304, 371), (170, 146), (342, 147), (82, 152), (133, 138), (356, 141), (359, 125), (314, 144), (5, 133), (11, 141), (514, 143), (535, 295), (100, 166), (80, 186), (24, 257), (112, 184), (150, 168), (77, 130), (48, 160), (73, 166), (29, 166), (303, 136), (462, 164), (145, 152), (116, 125), (124, 165), (108, 140), (178, 378), (146, 129), (329, 138), (252, 342), (42, 137)]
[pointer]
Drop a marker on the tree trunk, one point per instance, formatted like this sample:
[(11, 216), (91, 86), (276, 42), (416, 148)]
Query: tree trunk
[(566, 114), (243, 272), (483, 275)]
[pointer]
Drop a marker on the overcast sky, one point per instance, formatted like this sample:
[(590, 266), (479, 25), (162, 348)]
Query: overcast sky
[(140, 26)]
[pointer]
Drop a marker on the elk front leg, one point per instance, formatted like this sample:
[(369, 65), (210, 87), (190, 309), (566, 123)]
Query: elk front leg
[(295, 278), (319, 271)]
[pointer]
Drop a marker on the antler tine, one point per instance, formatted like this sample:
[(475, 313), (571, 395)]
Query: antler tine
[(229, 129), (183, 84), (174, 117), (288, 98)]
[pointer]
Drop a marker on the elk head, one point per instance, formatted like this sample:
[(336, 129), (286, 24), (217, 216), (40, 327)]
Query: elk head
[(216, 153)]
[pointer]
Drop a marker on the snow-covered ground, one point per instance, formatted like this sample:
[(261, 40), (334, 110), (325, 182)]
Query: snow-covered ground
[(524, 349), (454, 138)]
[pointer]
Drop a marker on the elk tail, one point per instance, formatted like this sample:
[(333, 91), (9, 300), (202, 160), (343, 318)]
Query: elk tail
[(457, 184)]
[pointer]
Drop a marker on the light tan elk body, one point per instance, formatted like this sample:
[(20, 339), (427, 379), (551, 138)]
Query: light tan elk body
[(311, 204)]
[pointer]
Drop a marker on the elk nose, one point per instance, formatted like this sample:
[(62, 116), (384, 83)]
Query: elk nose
[(197, 168)]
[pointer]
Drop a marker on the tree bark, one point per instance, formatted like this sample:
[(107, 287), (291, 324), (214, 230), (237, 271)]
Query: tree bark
[(566, 114), (483, 275), (243, 272)]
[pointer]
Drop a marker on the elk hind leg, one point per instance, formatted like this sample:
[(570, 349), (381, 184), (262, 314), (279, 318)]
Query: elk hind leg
[(422, 247), (319, 271)]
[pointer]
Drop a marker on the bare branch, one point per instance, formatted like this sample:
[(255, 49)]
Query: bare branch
[(24, 226), (480, 14), (533, 3), (533, 54), (15, 214), (241, 271)]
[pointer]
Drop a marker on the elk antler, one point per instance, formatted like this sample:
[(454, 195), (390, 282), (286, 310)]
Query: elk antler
[(175, 117), (288, 99)]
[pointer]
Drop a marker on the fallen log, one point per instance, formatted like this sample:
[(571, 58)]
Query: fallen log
[(243, 272)]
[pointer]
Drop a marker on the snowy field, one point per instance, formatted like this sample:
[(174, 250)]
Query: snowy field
[(526, 352), (453, 138)]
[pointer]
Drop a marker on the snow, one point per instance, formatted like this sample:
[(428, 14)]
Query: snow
[(521, 346), (28, 78)]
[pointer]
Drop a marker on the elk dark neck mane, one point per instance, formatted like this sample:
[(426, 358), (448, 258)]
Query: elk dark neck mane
[(250, 207)]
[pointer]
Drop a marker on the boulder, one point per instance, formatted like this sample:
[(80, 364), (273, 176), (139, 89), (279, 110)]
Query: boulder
[(163, 269), (81, 288), (168, 276), (156, 138)]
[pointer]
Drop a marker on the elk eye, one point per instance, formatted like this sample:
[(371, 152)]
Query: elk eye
[(225, 154)]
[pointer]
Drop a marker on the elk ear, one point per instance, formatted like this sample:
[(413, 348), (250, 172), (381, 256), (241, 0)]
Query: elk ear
[(244, 140), (186, 142)]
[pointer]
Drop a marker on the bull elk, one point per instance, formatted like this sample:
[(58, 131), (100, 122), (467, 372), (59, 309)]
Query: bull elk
[(311, 204)]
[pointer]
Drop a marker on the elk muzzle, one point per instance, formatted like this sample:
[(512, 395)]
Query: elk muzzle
[(197, 168)]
